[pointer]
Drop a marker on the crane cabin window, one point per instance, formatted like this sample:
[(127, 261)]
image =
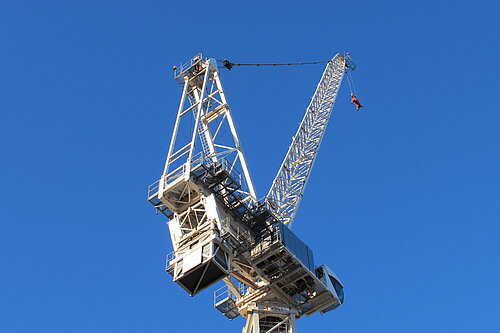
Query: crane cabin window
[(338, 288)]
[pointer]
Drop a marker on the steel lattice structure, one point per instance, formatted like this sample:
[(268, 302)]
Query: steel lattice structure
[(288, 186), (219, 231), (204, 102)]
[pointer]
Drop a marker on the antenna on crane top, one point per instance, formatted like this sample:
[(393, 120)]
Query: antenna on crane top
[(219, 230)]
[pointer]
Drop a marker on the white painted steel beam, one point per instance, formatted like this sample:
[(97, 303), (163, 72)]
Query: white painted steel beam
[(288, 186), (203, 108)]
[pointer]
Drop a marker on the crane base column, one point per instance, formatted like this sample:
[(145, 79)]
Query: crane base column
[(270, 318)]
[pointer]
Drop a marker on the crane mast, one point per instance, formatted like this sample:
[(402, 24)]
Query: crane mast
[(288, 187), (203, 103), (219, 230)]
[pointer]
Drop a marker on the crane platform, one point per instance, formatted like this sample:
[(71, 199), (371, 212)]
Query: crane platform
[(287, 264)]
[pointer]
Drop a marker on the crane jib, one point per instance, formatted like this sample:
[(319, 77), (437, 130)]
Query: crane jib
[(288, 186)]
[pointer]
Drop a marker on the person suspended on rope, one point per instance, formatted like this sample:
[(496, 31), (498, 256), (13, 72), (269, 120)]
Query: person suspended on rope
[(355, 101)]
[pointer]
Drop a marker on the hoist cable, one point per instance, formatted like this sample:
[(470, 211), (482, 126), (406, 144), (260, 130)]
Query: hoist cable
[(350, 81)]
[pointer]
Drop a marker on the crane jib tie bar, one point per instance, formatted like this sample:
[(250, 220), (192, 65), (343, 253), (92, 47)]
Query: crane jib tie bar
[(227, 64), (349, 64)]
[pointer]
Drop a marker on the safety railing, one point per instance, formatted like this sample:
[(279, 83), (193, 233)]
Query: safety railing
[(173, 175), (211, 162), (223, 293), (236, 237), (226, 165), (243, 289), (181, 169), (183, 67), (270, 236), (168, 262), (153, 188), (176, 173)]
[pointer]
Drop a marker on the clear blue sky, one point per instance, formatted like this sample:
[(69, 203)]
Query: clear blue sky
[(403, 202)]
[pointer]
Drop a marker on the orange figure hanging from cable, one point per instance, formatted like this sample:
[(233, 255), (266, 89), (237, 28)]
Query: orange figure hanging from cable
[(355, 101)]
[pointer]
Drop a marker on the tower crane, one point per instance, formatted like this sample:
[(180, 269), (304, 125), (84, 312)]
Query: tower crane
[(218, 227)]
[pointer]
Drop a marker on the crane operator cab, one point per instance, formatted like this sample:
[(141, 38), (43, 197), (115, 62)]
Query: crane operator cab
[(332, 284)]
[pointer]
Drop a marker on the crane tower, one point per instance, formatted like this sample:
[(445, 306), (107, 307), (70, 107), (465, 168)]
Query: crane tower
[(218, 227)]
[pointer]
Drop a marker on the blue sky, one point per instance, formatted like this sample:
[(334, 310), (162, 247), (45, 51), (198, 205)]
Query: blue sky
[(403, 202)]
